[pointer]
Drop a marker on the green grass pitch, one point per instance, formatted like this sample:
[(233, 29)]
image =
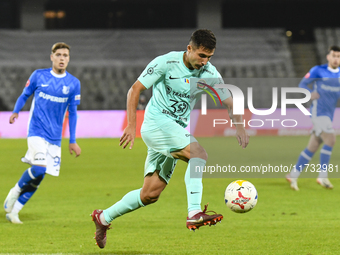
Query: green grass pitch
[(57, 219)]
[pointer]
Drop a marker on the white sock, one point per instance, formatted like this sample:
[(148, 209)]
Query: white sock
[(102, 219), (295, 173), (194, 212), (17, 189), (17, 207), (323, 174)]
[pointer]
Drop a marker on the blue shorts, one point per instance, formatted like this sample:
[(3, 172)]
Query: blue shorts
[(162, 138)]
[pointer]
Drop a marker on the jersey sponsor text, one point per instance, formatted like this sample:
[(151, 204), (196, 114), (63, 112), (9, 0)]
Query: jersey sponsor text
[(53, 98)]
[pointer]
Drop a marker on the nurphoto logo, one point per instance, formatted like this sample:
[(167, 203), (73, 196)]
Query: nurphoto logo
[(238, 105)]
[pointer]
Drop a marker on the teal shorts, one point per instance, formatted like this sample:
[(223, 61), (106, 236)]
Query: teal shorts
[(162, 138)]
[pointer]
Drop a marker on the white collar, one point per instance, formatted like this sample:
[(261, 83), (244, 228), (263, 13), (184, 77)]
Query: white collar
[(333, 70), (58, 75)]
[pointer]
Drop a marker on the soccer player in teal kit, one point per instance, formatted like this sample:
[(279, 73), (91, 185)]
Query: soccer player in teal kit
[(54, 92), (163, 130)]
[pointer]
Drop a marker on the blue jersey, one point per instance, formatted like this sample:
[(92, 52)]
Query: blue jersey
[(53, 94), (326, 82)]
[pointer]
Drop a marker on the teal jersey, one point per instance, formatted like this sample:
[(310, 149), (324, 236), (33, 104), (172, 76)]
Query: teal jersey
[(176, 88)]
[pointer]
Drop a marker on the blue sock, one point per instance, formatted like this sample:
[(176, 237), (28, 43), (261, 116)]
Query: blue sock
[(25, 178), (31, 174), (325, 156), (304, 158), (193, 183), (130, 202), (30, 189)]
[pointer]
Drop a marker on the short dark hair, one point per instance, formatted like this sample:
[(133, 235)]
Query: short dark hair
[(204, 38), (333, 48), (60, 45)]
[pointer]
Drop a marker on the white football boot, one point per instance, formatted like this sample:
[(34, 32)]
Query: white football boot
[(13, 218), (293, 182), (324, 182)]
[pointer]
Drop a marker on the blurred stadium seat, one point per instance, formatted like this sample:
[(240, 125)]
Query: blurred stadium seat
[(108, 62), (326, 37)]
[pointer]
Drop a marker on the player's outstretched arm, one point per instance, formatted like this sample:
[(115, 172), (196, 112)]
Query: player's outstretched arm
[(129, 133), (73, 147), (13, 117), (18, 106), (241, 133)]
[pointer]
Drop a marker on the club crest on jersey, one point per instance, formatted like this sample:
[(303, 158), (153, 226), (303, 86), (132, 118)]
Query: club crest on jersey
[(201, 84), (168, 89), (66, 90)]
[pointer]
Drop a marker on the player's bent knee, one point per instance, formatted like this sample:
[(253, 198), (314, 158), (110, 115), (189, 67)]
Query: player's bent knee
[(331, 143), (197, 151), (150, 198), (203, 154), (329, 140), (38, 171)]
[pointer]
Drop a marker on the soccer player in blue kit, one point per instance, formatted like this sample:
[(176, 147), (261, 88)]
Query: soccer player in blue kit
[(324, 95), (54, 92), (163, 130)]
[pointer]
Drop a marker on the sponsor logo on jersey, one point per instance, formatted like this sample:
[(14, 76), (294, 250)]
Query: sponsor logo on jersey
[(179, 107), (206, 70), (66, 90), (44, 85), (27, 83), (53, 98), (77, 97), (330, 88), (307, 75), (183, 95), (169, 113)]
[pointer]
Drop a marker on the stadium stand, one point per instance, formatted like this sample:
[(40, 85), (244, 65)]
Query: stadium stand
[(108, 62), (326, 37)]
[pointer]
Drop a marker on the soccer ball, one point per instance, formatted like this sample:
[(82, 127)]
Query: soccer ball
[(240, 196)]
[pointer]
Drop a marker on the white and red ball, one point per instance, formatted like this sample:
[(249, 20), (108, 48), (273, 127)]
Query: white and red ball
[(240, 196)]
